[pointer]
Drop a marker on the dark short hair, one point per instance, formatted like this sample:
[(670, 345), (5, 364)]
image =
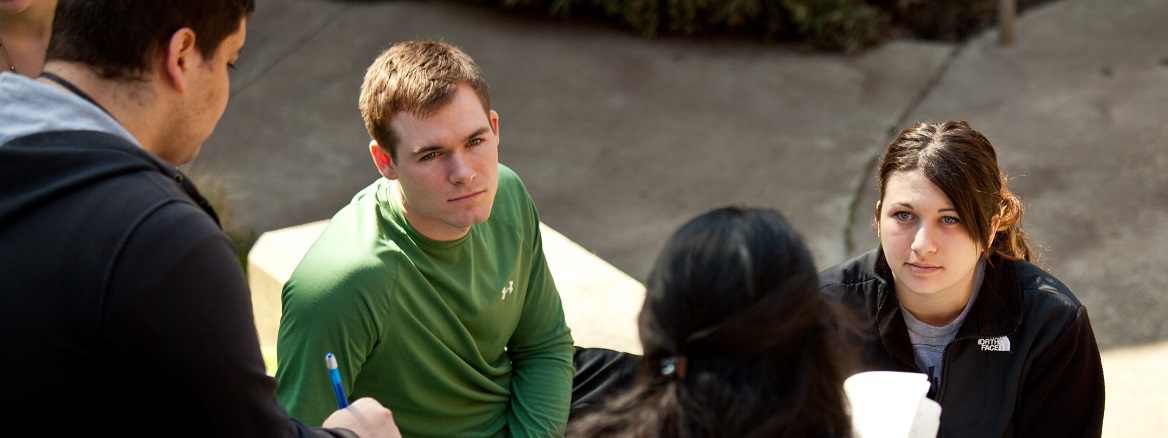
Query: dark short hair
[(118, 38), (418, 77), (962, 163)]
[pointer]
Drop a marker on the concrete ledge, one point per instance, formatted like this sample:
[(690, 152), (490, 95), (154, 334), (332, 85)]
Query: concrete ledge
[(601, 303), (269, 264), (1137, 392)]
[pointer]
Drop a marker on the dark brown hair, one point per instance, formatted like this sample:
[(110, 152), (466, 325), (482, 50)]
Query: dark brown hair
[(734, 292), (118, 38), (964, 165), (418, 77)]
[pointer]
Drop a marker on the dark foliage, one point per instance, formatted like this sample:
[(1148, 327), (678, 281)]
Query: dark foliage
[(838, 25)]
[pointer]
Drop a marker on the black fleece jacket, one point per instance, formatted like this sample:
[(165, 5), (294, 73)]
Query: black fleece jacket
[(1024, 362), (123, 309)]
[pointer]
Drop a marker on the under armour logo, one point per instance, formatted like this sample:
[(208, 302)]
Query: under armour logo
[(509, 289), (994, 344)]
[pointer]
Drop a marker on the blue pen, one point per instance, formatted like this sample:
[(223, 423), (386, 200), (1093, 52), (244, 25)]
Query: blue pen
[(338, 389)]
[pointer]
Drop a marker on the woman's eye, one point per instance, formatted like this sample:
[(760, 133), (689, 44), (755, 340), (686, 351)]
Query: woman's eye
[(950, 220), (902, 215)]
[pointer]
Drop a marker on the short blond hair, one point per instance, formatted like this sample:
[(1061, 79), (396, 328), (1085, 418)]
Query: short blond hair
[(418, 77)]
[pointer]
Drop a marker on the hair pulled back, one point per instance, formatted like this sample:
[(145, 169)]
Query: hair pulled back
[(734, 292), (964, 165)]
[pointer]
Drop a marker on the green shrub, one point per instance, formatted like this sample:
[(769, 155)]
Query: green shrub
[(841, 25), (212, 187), (846, 25)]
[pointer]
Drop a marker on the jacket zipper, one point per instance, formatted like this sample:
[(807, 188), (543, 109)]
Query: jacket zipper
[(880, 329), (945, 366)]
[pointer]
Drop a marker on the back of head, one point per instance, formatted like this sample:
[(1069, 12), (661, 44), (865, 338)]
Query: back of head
[(117, 39), (720, 275), (737, 341), (418, 77), (962, 163)]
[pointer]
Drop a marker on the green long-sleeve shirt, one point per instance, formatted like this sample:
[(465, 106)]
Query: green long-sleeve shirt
[(461, 338)]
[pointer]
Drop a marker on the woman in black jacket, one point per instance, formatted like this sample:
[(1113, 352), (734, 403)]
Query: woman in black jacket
[(951, 293)]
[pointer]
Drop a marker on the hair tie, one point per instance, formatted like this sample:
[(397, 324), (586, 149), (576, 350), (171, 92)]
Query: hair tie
[(673, 367)]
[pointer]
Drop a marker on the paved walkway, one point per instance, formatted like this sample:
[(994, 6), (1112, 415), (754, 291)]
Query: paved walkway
[(621, 139)]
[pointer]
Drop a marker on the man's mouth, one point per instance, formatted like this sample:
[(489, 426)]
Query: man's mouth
[(467, 196)]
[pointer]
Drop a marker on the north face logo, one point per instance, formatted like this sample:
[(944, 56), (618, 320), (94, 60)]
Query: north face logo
[(994, 344)]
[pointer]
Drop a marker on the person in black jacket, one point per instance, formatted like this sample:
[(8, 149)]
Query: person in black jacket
[(951, 293), (123, 310), (737, 341)]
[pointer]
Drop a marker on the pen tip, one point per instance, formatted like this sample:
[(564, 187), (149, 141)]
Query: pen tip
[(330, 361)]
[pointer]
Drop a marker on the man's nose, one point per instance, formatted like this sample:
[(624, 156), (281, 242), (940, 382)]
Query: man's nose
[(461, 168)]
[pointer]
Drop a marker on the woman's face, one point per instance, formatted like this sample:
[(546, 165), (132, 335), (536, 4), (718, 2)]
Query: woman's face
[(926, 243), (13, 7)]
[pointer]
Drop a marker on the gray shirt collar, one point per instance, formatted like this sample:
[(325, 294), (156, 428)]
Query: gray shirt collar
[(29, 107)]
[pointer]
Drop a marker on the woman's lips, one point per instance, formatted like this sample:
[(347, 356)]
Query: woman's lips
[(921, 269)]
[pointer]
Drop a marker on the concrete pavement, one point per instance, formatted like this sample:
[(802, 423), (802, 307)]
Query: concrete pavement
[(621, 139)]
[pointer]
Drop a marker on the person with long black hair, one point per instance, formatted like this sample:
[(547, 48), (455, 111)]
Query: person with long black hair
[(737, 341)]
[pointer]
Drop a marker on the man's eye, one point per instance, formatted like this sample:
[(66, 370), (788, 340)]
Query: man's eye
[(476, 142), (429, 156)]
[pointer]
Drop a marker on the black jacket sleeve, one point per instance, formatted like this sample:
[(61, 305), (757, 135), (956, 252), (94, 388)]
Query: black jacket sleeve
[(177, 318), (1063, 394)]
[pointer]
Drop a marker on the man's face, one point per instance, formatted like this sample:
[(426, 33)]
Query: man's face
[(447, 166), (210, 86)]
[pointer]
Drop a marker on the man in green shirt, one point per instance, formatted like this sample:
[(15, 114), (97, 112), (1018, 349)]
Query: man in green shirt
[(431, 287)]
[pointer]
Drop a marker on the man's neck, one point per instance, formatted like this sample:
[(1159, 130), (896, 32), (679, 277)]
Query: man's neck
[(430, 228), (131, 102)]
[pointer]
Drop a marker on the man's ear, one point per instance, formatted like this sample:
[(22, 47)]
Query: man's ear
[(382, 159), (494, 118), (177, 58)]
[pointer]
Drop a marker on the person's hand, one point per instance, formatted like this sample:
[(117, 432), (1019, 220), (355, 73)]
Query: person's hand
[(365, 417)]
